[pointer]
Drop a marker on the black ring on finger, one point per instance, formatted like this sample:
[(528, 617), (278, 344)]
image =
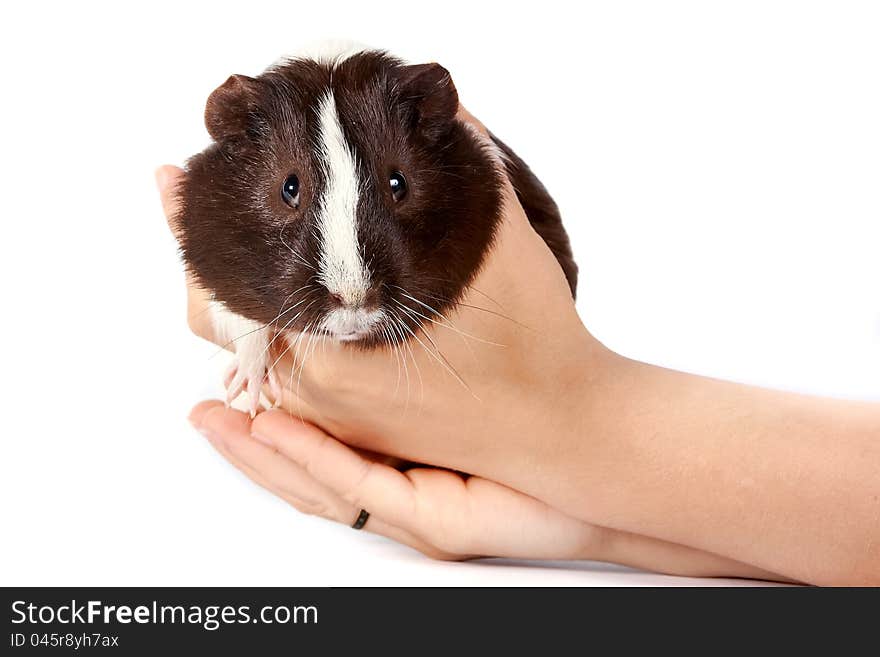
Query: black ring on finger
[(362, 518)]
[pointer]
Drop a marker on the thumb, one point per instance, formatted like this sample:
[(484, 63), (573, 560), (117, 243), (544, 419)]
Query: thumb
[(168, 179)]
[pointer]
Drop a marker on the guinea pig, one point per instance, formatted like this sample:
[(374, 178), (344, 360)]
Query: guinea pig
[(343, 197)]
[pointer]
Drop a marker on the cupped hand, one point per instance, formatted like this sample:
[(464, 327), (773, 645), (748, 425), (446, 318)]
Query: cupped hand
[(440, 513)]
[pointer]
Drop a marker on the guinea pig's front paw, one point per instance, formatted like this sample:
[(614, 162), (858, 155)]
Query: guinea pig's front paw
[(252, 365), (250, 368), (245, 377)]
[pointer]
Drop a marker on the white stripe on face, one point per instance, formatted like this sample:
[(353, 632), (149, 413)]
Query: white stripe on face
[(341, 268)]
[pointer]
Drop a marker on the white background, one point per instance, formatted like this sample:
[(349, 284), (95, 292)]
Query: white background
[(717, 166)]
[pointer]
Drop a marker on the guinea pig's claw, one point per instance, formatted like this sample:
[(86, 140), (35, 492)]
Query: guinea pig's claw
[(254, 386), (235, 388), (241, 378), (229, 374)]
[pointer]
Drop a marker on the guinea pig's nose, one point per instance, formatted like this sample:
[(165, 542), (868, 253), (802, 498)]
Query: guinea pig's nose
[(342, 302), (370, 301)]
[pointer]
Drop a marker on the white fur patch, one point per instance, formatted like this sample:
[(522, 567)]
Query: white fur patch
[(346, 324), (229, 326), (341, 267)]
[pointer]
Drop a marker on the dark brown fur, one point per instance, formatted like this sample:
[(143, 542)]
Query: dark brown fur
[(260, 256)]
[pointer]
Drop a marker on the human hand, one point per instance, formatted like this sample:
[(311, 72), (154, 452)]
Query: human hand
[(527, 401), (440, 513)]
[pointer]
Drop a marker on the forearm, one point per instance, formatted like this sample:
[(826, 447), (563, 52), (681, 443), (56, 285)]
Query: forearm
[(787, 482), (660, 556)]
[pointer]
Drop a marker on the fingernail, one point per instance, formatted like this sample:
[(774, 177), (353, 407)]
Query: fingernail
[(262, 439)]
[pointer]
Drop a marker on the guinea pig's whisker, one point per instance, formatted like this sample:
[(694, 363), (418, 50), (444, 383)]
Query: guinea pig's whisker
[(421, 303), (284, 328), (480, 308), (308, 352), (414, 315), (483, 294), (296, 343), (418, 316), (469, 286), (448, 364), (300, 259), (443, 172), (461, 334), (281, 355), (436, 358), (392, 353), (295, 253), (278, 316), (447, 323), (204, 310), (396, 326), (400, 356), (265, 326), (440, 358), (284, 351), (284, 312), (284, 303), (451, 327)]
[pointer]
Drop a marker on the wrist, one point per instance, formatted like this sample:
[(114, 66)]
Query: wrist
[(553, 426)]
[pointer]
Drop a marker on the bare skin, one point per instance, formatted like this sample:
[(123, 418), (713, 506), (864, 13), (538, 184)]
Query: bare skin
[(575, 452)]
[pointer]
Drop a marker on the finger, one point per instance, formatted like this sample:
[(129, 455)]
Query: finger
[(279, 477), (199, 315), (508, 193), (363, 483), (257, 478), (168, 178), (232, 429), (198, 412), (375, 524)]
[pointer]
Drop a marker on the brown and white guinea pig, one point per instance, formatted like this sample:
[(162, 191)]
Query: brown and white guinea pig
[(342, 197)]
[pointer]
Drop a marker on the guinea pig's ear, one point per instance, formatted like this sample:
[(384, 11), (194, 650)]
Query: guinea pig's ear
[(428, 90), (230, 107)]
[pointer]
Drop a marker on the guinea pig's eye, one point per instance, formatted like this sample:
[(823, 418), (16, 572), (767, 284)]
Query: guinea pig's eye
[(398, 186), (290, 191)]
